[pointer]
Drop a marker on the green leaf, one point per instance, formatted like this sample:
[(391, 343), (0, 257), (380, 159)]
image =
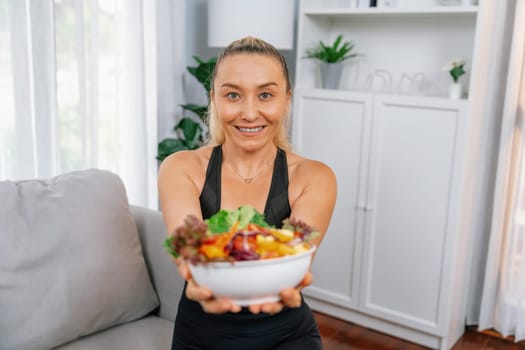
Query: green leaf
[(246, 213), (190, 138), (337, 52), (203, 71), (258, 219), (219, 222), (191, 131), (337, 42), (249, 215), (200, 110), (168, 246), (169, 146), (223, 220), (457, 72)]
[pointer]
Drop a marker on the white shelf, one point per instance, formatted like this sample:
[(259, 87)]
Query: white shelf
[(380, 12), (352, 94)]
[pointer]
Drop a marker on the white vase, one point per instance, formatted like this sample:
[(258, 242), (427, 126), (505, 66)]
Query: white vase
[(455, 90)]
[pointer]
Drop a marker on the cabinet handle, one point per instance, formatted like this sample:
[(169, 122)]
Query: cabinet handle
[(364, 207)]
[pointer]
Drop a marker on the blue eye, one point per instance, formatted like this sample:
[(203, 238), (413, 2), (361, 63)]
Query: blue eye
[(265, 95), (232, 96)]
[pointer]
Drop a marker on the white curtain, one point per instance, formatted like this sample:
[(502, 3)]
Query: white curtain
[(503, 296), (78, 89)]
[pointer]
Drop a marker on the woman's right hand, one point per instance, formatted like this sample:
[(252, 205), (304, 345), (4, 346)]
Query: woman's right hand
[(203, 295)]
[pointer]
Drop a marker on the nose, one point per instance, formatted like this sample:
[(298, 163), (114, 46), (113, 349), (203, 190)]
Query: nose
[(250, 109)]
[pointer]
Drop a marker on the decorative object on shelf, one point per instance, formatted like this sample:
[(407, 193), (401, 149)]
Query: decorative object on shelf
[(331, 59), (450, 2), (190, 133), (412, 84), (330, 75), (344, 3), (387, 3), (456, 69)]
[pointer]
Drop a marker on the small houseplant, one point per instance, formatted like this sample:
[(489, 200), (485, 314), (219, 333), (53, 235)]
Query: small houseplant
[(456, 69), (190, 134), (331, 57)]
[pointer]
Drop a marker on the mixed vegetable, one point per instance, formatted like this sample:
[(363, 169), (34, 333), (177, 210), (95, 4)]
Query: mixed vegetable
[(237, 235)]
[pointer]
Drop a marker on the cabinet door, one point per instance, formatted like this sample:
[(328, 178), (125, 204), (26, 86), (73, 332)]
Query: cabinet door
[(333, 127), (416, 165)]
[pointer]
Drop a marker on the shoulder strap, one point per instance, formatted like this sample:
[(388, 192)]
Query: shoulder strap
[(277, 205), (210, 198)]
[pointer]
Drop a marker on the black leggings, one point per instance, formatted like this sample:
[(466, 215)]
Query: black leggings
[(291, 329)]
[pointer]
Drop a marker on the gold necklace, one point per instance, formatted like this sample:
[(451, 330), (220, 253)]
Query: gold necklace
[(247, 180)]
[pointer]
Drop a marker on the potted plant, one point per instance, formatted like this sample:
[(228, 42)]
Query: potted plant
[(331, 58), (189, 133), (456, 69)]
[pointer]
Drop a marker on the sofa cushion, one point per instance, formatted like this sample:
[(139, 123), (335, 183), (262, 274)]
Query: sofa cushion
[(168, 282), (70, 260), (150, 333)]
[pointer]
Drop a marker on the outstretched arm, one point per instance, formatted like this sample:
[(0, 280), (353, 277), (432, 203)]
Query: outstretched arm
[(316, 190), (179, 197)]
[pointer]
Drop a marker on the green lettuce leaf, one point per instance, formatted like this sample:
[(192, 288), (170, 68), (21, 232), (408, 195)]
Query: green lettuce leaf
[(219, 222), (223, 220)]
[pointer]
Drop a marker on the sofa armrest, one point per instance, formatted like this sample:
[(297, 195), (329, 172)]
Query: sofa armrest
[(163, 272)]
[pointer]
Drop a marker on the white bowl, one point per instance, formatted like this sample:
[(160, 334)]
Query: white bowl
[(253, 281)]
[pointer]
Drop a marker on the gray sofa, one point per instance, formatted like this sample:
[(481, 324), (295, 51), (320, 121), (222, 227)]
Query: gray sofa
[(82, 269)]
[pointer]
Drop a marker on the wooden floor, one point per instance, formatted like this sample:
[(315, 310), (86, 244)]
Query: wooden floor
[(341, 335)]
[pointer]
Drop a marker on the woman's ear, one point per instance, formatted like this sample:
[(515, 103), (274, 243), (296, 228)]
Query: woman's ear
[(288, 107), (288, 100)]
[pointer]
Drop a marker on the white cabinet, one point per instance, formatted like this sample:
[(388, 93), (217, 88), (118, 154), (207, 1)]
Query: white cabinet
[(335, 127), (394, 257), (413, 197), (387, 259)]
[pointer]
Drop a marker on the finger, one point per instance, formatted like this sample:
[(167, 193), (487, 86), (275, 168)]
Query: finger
[(306, 281), (269, 308), (196, 292), (219, 306), (184, 271), (291, 297), (255, 308), (272, 308)]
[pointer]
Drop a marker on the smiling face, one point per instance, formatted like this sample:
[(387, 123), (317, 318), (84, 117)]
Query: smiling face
[(251, 97)]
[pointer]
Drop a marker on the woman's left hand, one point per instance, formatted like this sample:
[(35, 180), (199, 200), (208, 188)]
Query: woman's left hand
[(290, 297)]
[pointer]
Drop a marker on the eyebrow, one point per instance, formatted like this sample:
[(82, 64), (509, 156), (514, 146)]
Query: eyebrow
[(238, 87)]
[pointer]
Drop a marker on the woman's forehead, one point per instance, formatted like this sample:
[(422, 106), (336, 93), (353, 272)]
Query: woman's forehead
[(256, 67)]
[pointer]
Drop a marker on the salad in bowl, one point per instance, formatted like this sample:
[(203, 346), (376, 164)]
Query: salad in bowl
[(237, 254)]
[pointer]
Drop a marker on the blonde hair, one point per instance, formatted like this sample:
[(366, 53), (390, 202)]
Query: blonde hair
[(249, 45)]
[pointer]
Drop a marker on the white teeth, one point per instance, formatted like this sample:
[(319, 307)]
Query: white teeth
[(251, 129)]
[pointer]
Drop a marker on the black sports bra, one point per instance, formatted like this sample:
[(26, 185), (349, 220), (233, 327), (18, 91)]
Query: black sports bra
[(277, 206)]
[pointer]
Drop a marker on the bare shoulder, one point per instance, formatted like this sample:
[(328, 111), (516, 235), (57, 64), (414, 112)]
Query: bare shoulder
[(186, 157), (312, 191), (309, 170), (180, 180), (190, 164)]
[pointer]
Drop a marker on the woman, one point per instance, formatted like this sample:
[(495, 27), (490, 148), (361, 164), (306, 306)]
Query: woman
[(247, 161)]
